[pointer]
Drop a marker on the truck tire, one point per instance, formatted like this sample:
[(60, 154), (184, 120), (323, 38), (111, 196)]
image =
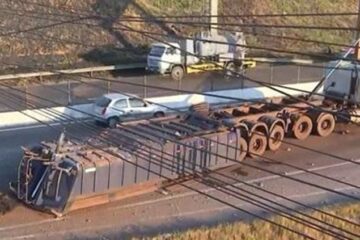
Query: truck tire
[(230, 69), (177, 73), (243, 148), (257, 144), (112, 122), (302, 127), (275, 138), (325, 125)]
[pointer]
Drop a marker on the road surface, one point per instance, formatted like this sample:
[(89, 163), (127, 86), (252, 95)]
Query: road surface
[(76, 90), (179, 208)]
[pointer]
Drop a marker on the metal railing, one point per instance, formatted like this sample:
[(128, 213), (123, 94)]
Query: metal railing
[(71, 91)]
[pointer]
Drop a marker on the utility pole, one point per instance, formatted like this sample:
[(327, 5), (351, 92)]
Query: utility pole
[(357, 47), (214, 9)]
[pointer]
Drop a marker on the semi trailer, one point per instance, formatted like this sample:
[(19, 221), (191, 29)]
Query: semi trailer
[(207, 51), (141, 156)]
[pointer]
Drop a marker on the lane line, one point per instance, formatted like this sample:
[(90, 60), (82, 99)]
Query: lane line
[(183, 214), (207, 190), (35, 126), (187, 194), (50, 220)]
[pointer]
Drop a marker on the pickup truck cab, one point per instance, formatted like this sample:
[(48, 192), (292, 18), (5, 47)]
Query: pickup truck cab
[(113, 108)]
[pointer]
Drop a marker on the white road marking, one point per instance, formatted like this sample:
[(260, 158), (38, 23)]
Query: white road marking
[(51, 220), (210, 189), (155, 201), (189, 213), (30, 236), (43, 125)]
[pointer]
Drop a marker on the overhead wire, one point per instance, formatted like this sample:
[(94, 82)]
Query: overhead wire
[(266, 205), (97, 17), (297, 39), (182, 184), (270, 86), (294, 14), (243, 182), (204, 94), (234, 160)]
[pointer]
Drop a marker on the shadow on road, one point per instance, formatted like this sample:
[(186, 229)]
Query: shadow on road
[(123, 51)]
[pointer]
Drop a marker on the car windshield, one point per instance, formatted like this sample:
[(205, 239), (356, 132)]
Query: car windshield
[(157, 51), (102, 102)]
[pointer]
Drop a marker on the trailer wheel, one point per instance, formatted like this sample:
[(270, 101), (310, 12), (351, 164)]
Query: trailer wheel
[(325, 125), (243, 148), (302, 127), (275, 138), (257, 144), (177, 73)]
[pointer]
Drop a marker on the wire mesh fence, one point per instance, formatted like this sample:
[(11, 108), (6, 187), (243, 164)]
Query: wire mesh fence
[(80, 90)]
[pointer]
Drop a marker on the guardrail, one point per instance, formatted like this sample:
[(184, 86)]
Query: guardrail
[(129, 67), (73, 71)]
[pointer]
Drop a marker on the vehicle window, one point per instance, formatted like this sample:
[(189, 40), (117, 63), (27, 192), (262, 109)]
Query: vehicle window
[(157, 51), (134, 102), (121, 104), (102, 102), (170, 51)]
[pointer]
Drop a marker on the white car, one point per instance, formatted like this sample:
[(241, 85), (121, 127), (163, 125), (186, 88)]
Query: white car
[(113, 108)]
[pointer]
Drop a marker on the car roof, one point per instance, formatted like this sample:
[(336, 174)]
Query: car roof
[(116, 96)]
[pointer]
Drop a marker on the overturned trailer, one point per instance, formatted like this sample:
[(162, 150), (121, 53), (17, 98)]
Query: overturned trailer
[(68, 175)]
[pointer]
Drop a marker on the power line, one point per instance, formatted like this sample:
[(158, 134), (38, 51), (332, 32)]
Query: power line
[(309, 14), (244, 25), (243, 182), (226, 16), (75, 21), (234, 160), (247, 78), (13, 12), (266, 200), (206, 94), (42, 27), (182, 184)]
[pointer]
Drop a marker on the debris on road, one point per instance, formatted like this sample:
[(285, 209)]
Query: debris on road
[(6, 204)]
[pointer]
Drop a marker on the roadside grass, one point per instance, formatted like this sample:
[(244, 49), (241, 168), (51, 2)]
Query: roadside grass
[(77, 44), (259, 230)]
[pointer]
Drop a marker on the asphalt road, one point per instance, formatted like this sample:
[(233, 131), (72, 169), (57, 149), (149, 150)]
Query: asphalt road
[(180, 208), (76, 90)]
